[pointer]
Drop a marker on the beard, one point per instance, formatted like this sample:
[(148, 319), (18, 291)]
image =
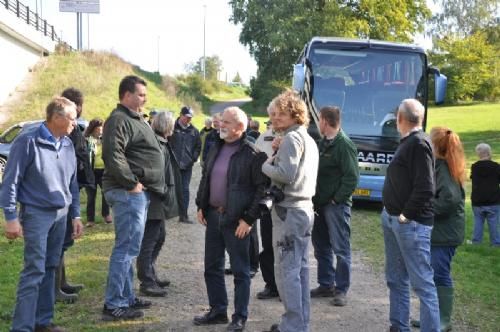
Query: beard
[(223, 134)]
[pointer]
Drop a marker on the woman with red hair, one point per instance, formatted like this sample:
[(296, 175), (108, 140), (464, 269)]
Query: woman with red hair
[(449, 215)]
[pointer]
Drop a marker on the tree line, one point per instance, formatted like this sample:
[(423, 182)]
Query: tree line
[(466, 37)]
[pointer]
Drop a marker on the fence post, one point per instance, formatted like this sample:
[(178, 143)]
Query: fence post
[(18, 12), (52, 34), (28, 15), (36, 19), (7, 4), (45, 27)]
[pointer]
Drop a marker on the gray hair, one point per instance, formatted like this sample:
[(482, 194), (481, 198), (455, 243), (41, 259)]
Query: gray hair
[(60, 106), (163, 123), (483, 150), (412, 110), (208, 121), (239, 115)]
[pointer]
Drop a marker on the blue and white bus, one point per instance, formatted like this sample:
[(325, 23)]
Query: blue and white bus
[(367, 79)]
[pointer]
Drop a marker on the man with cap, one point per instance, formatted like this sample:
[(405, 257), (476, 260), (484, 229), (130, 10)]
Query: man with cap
[(186, 144)]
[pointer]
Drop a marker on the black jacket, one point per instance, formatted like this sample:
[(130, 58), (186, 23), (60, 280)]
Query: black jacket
[(167, 204), (409, 183), (84, 170), (186, 144), (246, 183), (210, 140), (485, 176)]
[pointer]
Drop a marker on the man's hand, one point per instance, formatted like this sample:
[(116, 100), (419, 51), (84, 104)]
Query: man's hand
[(201, 218), (137, 189), (13, 230), (243, 229), (77, 228), (276, 143)]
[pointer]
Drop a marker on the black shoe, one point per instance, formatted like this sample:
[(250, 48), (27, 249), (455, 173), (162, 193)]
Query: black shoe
[(185, 220), (228, 271), (322, 291), (163, 283), (211, 318), (267, 293), (154, 291), (72, 289), (274, 328), (237, 324), (141, 304), (124, 313)]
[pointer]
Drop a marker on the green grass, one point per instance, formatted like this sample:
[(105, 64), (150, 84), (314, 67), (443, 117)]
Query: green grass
[(475, 269)]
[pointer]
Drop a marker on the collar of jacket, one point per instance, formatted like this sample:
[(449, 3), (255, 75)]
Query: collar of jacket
[(242, 141), (160, 138), (129, 112), (64, 140), (180, 127), (291, 128)]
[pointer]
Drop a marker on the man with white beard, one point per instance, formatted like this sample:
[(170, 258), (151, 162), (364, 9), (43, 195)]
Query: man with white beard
[(231, 187)]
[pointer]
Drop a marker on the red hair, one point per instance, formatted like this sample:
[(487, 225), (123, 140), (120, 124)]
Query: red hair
[(447, 146)]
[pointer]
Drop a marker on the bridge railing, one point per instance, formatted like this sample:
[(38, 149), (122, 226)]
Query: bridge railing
[(24, 13)]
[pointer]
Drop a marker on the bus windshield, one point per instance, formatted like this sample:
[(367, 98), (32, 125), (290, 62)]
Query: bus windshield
[(368, 86)]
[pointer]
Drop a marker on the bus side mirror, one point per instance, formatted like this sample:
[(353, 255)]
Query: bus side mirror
[(299, 77), (440, 82)]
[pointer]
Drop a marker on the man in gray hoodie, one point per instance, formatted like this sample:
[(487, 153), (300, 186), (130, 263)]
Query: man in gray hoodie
[(293, 170)]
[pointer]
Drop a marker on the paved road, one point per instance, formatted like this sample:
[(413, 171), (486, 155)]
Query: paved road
[(219, 107)]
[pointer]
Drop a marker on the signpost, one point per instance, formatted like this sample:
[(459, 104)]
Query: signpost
[(79, 7)]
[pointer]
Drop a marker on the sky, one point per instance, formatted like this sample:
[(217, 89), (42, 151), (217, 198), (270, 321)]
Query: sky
[(157, 34), (162, 35)]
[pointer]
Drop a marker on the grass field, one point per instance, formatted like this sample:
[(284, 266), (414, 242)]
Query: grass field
[(475, 269)]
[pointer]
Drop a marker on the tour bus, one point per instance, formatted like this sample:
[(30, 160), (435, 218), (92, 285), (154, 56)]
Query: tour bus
[(367, 80)]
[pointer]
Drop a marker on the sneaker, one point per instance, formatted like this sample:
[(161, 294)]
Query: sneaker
[(124, 313), (141, 304), (49, 328), (322, 291), (340, 299), (108, 219)]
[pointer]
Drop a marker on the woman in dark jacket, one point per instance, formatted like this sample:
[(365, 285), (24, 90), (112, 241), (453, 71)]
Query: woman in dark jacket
[(449, 216), (161, 207)]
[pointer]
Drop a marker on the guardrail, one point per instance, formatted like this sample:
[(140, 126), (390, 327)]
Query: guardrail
[(31, 18)]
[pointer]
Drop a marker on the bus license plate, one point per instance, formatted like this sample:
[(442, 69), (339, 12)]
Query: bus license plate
[(362, 192)]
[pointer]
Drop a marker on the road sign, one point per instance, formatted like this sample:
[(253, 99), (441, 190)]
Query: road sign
[(79, 6)]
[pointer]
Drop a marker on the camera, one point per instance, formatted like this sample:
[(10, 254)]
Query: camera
[(272, 195)]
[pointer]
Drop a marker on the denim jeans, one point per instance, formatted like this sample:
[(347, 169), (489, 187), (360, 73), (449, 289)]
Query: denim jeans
[(152, 242), (129, 211), (492, 214), (291, 235), (217, 239), (408, 260), (331, 236), (43, 231), (186, 179), (441, 257)]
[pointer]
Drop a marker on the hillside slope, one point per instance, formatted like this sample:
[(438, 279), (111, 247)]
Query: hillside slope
[(96, 74)]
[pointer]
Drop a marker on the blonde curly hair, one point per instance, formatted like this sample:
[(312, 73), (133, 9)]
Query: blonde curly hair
[(290, 101)]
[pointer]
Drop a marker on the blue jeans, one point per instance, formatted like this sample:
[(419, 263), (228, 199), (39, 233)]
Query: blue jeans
[(492, 214), (407, 260), (331, 236), (43, 239), (129, 212), (291, 235), (441, 264), (217, 239), (186, 179)]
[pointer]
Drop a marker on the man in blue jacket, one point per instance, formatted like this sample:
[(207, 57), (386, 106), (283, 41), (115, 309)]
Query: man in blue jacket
[(41, 176)]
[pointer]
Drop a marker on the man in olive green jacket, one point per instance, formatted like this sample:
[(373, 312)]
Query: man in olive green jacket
[(338, 176), (134, 166)]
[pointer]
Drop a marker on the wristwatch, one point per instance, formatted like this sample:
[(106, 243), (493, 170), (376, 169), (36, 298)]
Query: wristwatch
[(402, 219)]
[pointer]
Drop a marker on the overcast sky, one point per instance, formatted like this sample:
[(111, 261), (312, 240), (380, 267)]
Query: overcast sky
[(161, 34), (134, 29)]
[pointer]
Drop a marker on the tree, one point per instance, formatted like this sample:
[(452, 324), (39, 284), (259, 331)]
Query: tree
[(237, 78), (464, 17), (276, 31), (469, 63), (213, 66)]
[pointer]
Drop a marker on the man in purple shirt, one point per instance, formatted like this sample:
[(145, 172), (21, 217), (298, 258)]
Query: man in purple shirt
[(231, 187)]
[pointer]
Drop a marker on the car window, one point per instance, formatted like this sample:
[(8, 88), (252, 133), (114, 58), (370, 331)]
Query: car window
[(9, 135)]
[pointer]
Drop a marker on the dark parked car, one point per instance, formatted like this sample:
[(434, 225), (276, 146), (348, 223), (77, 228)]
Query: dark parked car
[(12, 132)]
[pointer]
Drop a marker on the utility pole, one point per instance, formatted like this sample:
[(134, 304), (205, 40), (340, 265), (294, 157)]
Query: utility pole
[(204, 57)]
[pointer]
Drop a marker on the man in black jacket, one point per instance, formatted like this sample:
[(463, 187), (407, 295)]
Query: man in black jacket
[(66, 292), (228, 198), (407, 221), (186, 144)]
